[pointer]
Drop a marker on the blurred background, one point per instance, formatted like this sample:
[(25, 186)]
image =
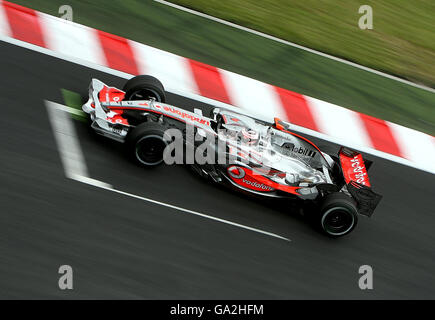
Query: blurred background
[(122, 247), (401, 43)]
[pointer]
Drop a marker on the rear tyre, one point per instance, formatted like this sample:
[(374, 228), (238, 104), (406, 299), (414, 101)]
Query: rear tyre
[(144, 87), (338, 215), (146, 144)]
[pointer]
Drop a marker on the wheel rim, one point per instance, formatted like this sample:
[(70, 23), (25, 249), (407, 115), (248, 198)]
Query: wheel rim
[(145, 94), (338, 221), (149, 150)]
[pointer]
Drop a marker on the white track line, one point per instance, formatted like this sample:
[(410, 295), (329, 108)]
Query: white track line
[(66, 139), (209, 101), (68, 144), (292, 44), (75, 166), (69, 109), (101, 185)]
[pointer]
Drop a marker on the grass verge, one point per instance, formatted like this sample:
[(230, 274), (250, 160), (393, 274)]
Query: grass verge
[(75, 101)]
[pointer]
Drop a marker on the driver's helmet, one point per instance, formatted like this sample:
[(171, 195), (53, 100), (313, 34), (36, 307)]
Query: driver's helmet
[(249, 136)]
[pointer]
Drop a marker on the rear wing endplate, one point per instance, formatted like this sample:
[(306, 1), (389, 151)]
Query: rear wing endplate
[(354, 169)]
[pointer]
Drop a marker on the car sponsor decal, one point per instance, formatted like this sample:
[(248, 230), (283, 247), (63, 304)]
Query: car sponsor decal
[(255, 185), (185, 115), (236, 172), (281, 128), (304, 151), (354, 169), (239, 176), (248, 179)]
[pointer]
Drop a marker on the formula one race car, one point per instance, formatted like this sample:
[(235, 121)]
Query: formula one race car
[(243, 153)]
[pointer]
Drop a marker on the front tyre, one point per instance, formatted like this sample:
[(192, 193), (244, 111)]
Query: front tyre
[(146, 144), (338, 215), (144, 87)]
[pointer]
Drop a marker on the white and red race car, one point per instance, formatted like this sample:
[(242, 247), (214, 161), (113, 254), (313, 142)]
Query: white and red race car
[(243, 153)]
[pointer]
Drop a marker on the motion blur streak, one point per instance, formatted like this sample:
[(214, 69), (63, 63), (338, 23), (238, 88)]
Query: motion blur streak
[(119, 54), (67, 143), (261, 34), (24, 24), (181, 75), (107, 187), (121, 248)]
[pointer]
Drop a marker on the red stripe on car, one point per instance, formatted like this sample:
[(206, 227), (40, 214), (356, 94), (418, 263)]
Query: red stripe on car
[(24, 24), (209, 81), (118, 52), (380, 135), (296, 108)]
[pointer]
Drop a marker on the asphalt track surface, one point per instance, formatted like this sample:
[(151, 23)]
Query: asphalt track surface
[(121, 247)]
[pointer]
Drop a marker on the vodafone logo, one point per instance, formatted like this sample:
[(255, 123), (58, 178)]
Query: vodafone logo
[(257, 185), (236, 172), (242, 177)]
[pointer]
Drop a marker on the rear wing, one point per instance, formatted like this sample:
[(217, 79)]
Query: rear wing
[(353, 166), (354, 169)]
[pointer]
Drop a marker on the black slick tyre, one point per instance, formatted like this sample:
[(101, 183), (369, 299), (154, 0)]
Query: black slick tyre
[(145, 144), (144, 87), (338, 215)]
